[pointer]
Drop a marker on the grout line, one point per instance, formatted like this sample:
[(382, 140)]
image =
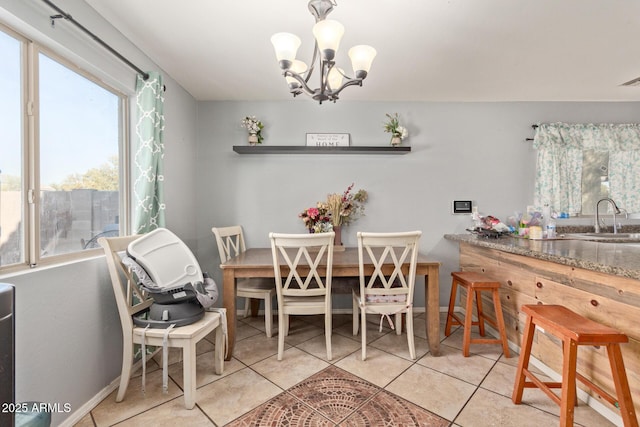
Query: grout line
[(332, 363), (495, 362)]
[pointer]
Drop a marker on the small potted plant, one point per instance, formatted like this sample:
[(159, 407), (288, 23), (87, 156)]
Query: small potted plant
[(398, 133), (254, 127)]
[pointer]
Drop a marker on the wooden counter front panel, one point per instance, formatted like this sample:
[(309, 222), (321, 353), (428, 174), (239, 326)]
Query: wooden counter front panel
[(607, 299)]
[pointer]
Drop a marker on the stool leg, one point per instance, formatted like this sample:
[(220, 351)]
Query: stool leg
[(500, 320), (468, 322), (523, 362), (480, 312), (567, 401), (627, 411), (574, 385), (452, 304)]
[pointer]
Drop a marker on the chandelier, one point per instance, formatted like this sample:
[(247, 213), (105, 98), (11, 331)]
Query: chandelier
[(327, 34)]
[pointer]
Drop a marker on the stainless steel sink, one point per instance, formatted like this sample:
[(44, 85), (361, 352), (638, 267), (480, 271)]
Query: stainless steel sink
[(605, 237)]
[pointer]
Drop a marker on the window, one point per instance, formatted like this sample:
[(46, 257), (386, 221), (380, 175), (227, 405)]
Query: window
[(579, 164), (595, 179), (11, 195), (60, 168)]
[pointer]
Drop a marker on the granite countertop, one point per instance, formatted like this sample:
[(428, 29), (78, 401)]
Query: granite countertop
[(620, 259)]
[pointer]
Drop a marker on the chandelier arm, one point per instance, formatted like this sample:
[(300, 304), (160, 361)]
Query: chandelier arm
[(324, 77), (309, 72), (302, 81), (349, 82), (343, 74)]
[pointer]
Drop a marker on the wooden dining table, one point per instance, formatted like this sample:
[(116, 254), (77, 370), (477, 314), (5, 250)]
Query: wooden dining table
[(258, 262)]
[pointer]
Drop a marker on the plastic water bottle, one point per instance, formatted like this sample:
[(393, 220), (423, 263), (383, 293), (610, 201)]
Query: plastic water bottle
[(546, 213), (551, 229)]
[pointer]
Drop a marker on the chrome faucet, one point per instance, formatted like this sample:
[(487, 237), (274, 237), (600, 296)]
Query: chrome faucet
[(616, 210)]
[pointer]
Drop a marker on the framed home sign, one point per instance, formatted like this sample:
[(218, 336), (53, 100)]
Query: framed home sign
[(328, 139)]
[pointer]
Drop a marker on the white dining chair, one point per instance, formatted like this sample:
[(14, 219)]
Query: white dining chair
[(305, 290), (386, 294), (230, 242), (131, 299)]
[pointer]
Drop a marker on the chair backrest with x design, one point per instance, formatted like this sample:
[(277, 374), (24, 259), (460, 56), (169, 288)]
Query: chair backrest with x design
[(381, 249), (130, 297), (301, 255), (230, 241)]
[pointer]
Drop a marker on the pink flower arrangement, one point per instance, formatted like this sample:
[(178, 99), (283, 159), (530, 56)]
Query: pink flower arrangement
[(339, 209), (316, 219)]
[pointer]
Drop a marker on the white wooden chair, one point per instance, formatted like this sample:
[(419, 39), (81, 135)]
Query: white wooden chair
[(131, 299), (382, 294), (230, 244), (304, 291)]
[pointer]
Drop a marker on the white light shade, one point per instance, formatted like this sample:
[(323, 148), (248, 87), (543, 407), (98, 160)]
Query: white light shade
[(286, 46), (328, 34), (335, 78), (297, 67), (361, 58)]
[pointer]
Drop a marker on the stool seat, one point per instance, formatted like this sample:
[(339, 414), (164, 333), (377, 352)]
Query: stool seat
[(475, 283), (563, 322), (574, 330), (474, 280)]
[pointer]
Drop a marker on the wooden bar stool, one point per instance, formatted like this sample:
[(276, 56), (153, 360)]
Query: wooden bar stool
[(574, 330), (475, 283)]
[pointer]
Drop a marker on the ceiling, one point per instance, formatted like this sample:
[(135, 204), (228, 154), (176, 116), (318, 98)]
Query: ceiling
[(428, 50)]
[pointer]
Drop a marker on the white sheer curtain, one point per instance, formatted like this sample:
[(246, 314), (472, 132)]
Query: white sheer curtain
[(559, 163), (148, 154)]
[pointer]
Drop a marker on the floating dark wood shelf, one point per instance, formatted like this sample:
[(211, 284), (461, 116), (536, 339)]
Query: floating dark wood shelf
[(303, 149)]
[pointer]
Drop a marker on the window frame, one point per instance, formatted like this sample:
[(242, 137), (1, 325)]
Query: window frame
[(30, 145)]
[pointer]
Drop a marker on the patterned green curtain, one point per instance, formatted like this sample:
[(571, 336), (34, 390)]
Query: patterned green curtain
[(558, 169), (624, 172), (148, 153), (559, 163)]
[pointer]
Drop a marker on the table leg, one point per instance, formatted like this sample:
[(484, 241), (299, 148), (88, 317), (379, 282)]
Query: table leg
[(229, 302), (432, 305), (255, 307)]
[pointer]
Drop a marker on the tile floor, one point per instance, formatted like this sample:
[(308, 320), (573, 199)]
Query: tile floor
[(447, 390)]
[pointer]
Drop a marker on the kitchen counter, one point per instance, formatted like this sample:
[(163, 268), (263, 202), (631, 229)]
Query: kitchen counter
[(598, 280), (619, 259)]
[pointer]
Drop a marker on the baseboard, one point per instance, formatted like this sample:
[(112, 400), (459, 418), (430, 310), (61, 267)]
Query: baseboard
[(82, 411), (85, 409), (582, 395)]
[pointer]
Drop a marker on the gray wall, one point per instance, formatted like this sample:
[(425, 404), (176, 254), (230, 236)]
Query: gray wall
[(68, 336), (69, 339), (464, 151)]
